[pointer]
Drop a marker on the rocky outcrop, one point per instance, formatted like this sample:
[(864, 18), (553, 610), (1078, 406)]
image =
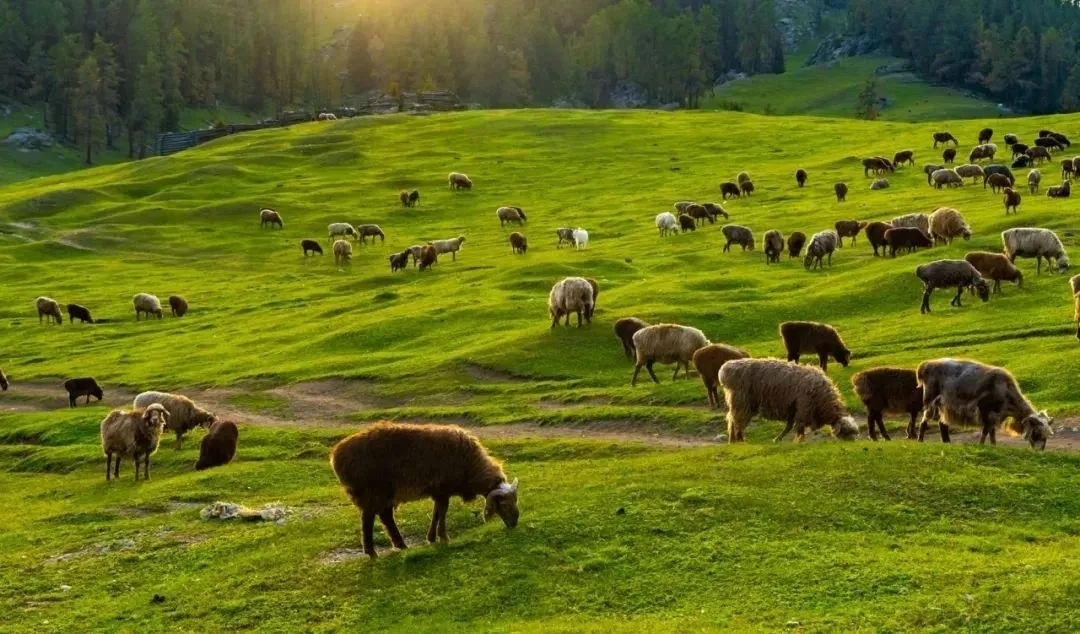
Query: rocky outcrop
[(835, 47)]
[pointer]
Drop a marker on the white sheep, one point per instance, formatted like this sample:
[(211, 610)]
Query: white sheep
[(581, 238), (569, 296), (667, 223), (1027, 242), (338, 229), (917, 221), (342, 252), (1034, 178), (146, 303), (822, 245), (666, 343), (133, 433), (50, 309), (947, 223), (449, 246)]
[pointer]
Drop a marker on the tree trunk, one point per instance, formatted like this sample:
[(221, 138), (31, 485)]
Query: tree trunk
[(131, 143), (89, 148)]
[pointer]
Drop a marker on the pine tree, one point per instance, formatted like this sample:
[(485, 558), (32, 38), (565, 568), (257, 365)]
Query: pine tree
[(359, 63), (108, 87), (147, 109), (172, 77), (89, 119), (1070, 95), (866, 104)]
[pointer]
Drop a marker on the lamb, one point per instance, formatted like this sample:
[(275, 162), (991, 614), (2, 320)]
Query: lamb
[(945, 138), (3, 381), (945, 177), (428, 256), (904, 156), (624, 330), (907, 239), (1061, 191), (729, 189), (881, 183), (83, 386), (269, 217), (985, 135), (888, 391), (774, 246), (980, 152), (841, 192), (715, 210), (877, 165), (146, 303), (666, 343), (581, 239), (929, 171), (1066, 169), (184, 414), (804, 397), (339, 229), (449, 246), (178, 306), (947, 223), (997, 182), (666, 223), (1038, 154), (811, 337), (48, 308), (342, 252), (821, 245), (82, 313), (569, 296), (566, 234), (948, 156), (1034, 178), (875, 234), (708, 361), (133, 433), (310, 246), (1012, 200), (218, 446), (795, 244), (1010, 139), (747, 188), (510, 214), (370, 231), (996, 267), (687, 223), (1026, 242), (399, 261), (949, 273), (974, 172), (989, 170), (737, 234), (459, 181), (742, 177), (971, 393), (800, 177), (389, 464), (518, 243), (848, 229), (918, 221)]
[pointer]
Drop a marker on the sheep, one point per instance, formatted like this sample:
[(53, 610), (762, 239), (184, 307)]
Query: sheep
[(49, 309), (980, 152), (990, 170), (666, 223), (996, 267), (1066, 169), (146, 303), (881, 183), (269, 217), (683, 205), (945, 177), (459, 181), (1061, 191), (841, 191), (877, 165), (800, 177), (729, 189), (399, 261), (1050, 143), (742, 177), (342, 252), (389, 464), (1022, 162), (947, 223), (1026, 242), (339, 229), (370, 231), (581, 239), (714, 209), (624, 330), (985, 135), (82, 386), (568, 296), (907, 239), (326, 116), (1012, 200), (687, 223), (1074, 284), (1011, 139), (666, 343), (888, 391), (974, 172), (795, 244), (948, 156), (971, 393), (184, 414), (565, 234), (997, 182), (774, 246), (449, 246), (1044, 133), (1034, 178), (1038, 154), (811, 337), (821, 245), (518, 243), (1076, 164), (82, 313), (404, 198), (1062, 140), (178, 306), (848, 229), (737, 234), (747, 188), (929, 171), (218, 446), (916, 220), (1019, 149), (945, 138), (3, 381), (133, 433), (875, 234), (415, 250), (310, 246), (409, 198), (949, 273), (428, 256), (804, 397), (700, 213), (904, 156), (708, 361), (510, 214)]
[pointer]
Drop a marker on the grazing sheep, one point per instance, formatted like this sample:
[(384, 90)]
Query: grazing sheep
[(82, 386), (49, 309), (877, 165), (1034, 178), (1066, 169), (687, 223), (795, 244), (269, 217), (1022, 161), (146, 303), (449, 246), (82, 313), (715, 210), (949, 273), (888, 391), (918, 221), (811, 337), (624, 330), (3, 381), (945, 177), (1026, 242), (848, 229), (944, 137), (389, 464), (997, 182), (342, 252), (800, 177), (683, 205), (904, 156), (410, 198), (985, 135), (1019, 149), (1050, 143), (1061, 191), (875, 234), (510, 214), (729, 189), (1011, 139), (1074, 284), (881, 183), (947, 223), (1062, 140), (948, 156), (700, 213), (518, 243), (747, 188), (428, 256), (339, 229), (326, 116), (981, 152), (459, 181), (566, 234), (821, 245), (370, 231), (581, 239), (708, 361), (132, 433), (929, 171), (399, 261), (1012, 200), (404, 198), (971, 393), (804, 397), (1044, 133), (666, 343), (906, 239), (1076, 164), (841, 190), (184, 414), (569, 296), (974, 172), (1038, 154), (218, 446), (737, 234), (310, 245), (416, 250), (742, 177), (774, 246), (666, 223), (990, 170), (996, 267), (178, 306)]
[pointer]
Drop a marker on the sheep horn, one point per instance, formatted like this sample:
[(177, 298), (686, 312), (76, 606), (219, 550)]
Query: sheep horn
[(514, 485)]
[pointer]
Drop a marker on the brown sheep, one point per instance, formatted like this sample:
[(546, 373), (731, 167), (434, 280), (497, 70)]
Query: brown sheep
[(841, 192), (83, 386), (929, 171), (809, 336), (946, 274), (875, 234), (800, 177), (399, 261), (428, 256), (1066, 169), (1050, 143), (904, 156), (624, 330), (687, 223), (985, 135), (518, 243), (269, 217), (1012, 200), (1061, 191), (907, 239), (795, 244), (49, 309), (698, 213), (708, 361), (739, 235), (715, 210), (848, 229), (184, 414), (944, 137), (948, 156), (178, 306), (877, 165), (729, 190), (1019, 149), (747, 188), (1038, 154), (888, 391), (133, 433), (565, 234), (995, 266), (389, 464), (218, 446), (742, 177), (342, 252), (997, 182), (774, 246), (459, 181)]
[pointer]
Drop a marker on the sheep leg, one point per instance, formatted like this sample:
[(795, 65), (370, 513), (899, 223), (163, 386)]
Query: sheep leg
[(146, 467), (367, 524), (823, 360), (116, 467), (135, 459), (387, 518), (790, 425), (870, 419), (911, 426), (676, 375), (73, 401), (179, 441), (108, 466), (578, 318), (956, 300), (925, 308), (923, 426), (437, 512), (443, 537), (637, 369), (881, 426)]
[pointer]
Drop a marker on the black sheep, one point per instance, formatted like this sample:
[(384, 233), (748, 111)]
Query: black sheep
[(79, 312), (84, 386)]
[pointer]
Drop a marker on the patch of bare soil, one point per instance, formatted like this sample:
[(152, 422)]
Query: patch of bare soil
[(481, 373), (50, 395), (549, 404)]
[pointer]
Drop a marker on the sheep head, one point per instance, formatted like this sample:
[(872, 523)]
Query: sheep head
[(155, 417), (983, 289), (1062, 263), (1037, 429), (843, 356), (503, 501), (846, 428), (97, 392)]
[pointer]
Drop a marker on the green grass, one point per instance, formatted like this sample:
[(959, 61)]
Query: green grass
[(831, 91)]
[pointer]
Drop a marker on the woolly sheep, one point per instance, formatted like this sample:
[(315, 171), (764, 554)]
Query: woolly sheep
[(918, 221), (312, 246), (218, 446), (821, 245), (947, 223), (132, 433), (510, 214), (400, 261), (1012, 200), (666, 223), (82, 313), (625, 329), (904, 156), (774, 246), (1021, 162), (1066, 169), (875, 234), (701, 213), (888, 391), (666, 343), (178, 306), (184, 414), (581, 239), (687, 223), (974, 172), (841, 192), (997, 182), (146, 303), (1038, 154), (848, 229), (929, 171), (1061, 191), (519, 243), (802, 337), (737, 234), (342, 252), (747, 188), (1034, 178), (742, 177), (881, 183), (877, 165), (944, 137), (980, 152), (1049, 143), (945, 177), (1027, 242), (949, 273), (708, 361), (948, 156), (996, 267), (459, 181), (800, 177), (1010, 139), (409, 198), (338, 229), (271, 218), (729, 189), (449, 246), (370, 231), (49, 309), (565, 234), (428, 256), (569, 296), (1019, 149), (715, 210), (795, 244), (906, 239), (83, 386), (416, 250)]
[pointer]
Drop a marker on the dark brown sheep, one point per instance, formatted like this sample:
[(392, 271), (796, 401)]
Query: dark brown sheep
[(888, 391), (906, 238), (390, 464), (1061, 139), (1012, 200), (1019, 149), (996, 267), (428, 256), (800, 177), (687, 222), (566, 234), (929, 171), (875, 234), (1066, 169), (83, 386), (708, 361), (747, 188), (795, 244), (1010, 139), (949, 155), (370, 231), (944, 137), (624, 330), (399, 261), (310, 245), (1063, 190), (811, 337), (730, 190), (997, 182), (518, 243), (841, 192), (81, 313), (698, 213), (715, 210), (1050, 143), (985, 135), (904, 156), (877, 165), (178, 306), (774, 246), (218, 446), (848, 229)]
